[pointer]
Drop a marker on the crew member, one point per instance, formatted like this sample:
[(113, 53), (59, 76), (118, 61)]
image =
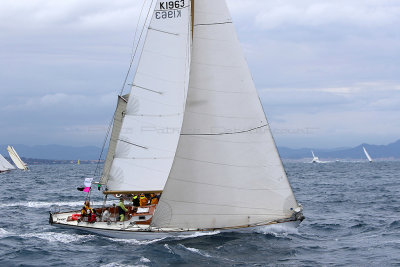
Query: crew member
[(121, 209), (143, 200), (135, 200), (154, 200), (86, 210)]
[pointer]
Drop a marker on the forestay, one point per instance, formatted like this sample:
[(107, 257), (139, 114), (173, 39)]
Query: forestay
[(153, 119), (227, 171)]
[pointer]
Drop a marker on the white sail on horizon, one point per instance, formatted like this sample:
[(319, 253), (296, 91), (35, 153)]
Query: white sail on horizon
[(5, 165), (16, 159), (367, 155)]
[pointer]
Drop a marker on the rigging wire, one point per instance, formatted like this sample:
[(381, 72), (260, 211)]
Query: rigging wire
[(133, 57)]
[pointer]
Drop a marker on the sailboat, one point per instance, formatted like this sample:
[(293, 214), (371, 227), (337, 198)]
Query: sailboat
[(16, 159), (5, 165), (315, 159), (192, 130), (367, 155)]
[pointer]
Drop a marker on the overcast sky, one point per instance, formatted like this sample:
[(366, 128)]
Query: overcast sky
[(328, 72)]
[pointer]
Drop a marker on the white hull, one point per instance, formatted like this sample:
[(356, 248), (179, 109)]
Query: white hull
[(126, 230)]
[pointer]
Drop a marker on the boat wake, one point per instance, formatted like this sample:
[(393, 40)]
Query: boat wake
[(166, 238)]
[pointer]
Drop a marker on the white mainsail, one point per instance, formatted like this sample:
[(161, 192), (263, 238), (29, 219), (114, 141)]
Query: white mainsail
[(227, 171), (16, 159), (152, 122), (367, 155), (5, 165)]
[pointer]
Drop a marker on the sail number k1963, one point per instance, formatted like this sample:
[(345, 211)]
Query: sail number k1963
[(172, 9)]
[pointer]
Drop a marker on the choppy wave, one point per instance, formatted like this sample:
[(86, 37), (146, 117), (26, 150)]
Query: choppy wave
[(169, 249), (196, 251), (115, 264)]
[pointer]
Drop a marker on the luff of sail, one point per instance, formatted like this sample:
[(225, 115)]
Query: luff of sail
[(116, 130), (5, 165), (227, 171), (367, 155), (152, 122), (16, 159)]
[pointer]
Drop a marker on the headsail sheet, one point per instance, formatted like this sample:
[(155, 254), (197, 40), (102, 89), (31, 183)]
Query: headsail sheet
[(153, 119), (16, 159), (227, 171)]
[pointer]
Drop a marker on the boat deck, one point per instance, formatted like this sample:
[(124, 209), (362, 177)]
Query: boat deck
[(136, 219)]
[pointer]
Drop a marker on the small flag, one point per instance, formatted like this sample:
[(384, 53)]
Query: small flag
[(88, 184), (87, 189)]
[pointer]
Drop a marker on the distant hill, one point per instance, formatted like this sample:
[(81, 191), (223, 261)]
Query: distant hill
[(58, 152), (54, 152), (376, 151)]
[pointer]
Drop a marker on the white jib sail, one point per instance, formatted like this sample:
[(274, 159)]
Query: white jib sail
[(153, 119), (5, 165), (227, 171), (116, 130), (367, 155), (16, 159)]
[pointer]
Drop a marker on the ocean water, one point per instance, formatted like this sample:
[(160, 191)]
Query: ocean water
[(352, 219)]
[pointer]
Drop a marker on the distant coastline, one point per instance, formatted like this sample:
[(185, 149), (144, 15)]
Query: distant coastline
[(57, 154)]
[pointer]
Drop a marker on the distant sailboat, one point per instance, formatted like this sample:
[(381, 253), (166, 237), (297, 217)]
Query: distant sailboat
[(367, 155), (5, 165), (16, 159), (315, 159)]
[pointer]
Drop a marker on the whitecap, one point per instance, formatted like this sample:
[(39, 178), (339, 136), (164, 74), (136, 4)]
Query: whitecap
[(169, 249), (58, 237), (278, 230), (4, 233), (196, 251), (143, 259)]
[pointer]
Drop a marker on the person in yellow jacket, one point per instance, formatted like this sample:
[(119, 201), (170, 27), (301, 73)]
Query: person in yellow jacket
[(143, 200), (121, 209), (86, 210), (154, 200)]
